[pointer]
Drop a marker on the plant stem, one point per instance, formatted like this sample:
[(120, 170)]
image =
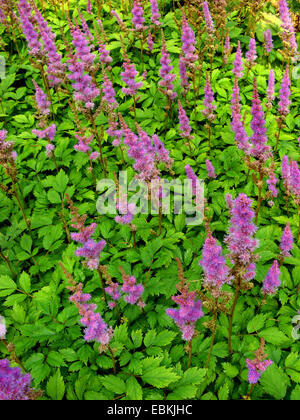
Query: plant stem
[(102, 284), (280, 123), (6, 259), (113, 360), (15, 193), (237, 292), (260, 187), (212, 338), (190, 354)]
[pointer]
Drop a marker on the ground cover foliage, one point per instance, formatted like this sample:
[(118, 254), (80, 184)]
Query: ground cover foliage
[(88, 87)]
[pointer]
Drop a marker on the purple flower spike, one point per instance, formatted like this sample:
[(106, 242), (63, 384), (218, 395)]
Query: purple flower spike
[(190, 310), (96, 329), (210, 169), (214, 264), (150, 41), (268, 41), (256, 368), (138, 15), (287, 241), (210, 27), (241, 241), (238, 63), (285, 94), (289, 35), (128, 76), (208, 101), (184, 122), (271, 89), (166, 73), (188, 42), (272, 281), (29, 31), (14, 385), (41, 100), (251, 55), (259, 139), (155, 13)]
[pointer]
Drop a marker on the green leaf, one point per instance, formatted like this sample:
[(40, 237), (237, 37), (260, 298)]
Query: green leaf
[(56, 387), (133, 389), (274, 382), (25, 282), (274, 335), (160, 377), (150, 338), (164, 338), (137, 338), (61, 182), (7, 286), (26, 243), (256, 323), (230, 370), (114, 384), (223, 393)]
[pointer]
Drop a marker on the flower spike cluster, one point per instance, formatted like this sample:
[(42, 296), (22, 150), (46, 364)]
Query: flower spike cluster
[(14, 385), (272, 281), (287, 241), (190, 308), (155, 13), (216, 272), (241, 241)]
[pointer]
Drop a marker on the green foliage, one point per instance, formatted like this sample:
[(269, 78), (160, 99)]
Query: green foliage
[(152, 361)]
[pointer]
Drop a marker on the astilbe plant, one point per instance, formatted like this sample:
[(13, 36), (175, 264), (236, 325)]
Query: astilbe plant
[(98, 80)]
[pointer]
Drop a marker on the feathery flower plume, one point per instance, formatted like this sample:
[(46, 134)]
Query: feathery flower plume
[(14, 385), (42, 103), (188, 42), (285, 94), (192, 177), (272, 281), (29, 31), (138, 15), (190, 308), (166, 73), (83, 143), (150, 41), (133, 290), (289, 36), (237, 125), (89, 7), (128, 76), (109, 96), (295, 181), (183, 73), (96, 328), (214, 264), (272, 182), (48, 133), (240, 240), (287, 241), (105, 58), (256, 369), (184, 122), (227, 49), (271, 89), (210, 169), (258, 365), (210, 27), (268, 41), (208, 101), (238, 62), (155, 13), (260, 149), (251, 55), (55, 67)]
